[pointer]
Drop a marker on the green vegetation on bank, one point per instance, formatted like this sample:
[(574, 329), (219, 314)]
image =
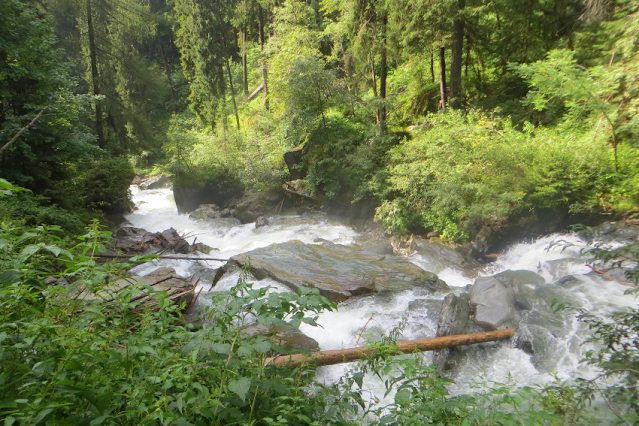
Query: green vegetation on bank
[(118, 361)]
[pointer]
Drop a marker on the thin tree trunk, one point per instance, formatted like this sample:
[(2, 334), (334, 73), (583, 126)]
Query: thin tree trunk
[(340, 356), (244, 64), (442, 76), (95, 77), (17, 135), (220, 73), (167, 71), (260, 24), (237, 116), (383, 72), (373, 76), (432, 66), (457, 57)]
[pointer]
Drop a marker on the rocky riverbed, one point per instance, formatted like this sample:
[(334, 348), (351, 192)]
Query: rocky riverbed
[(379, 282)]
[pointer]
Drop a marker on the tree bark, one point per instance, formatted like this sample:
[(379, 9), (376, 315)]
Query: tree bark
[(340, 356), (237, 116), (383, 72), (442, 76), (17, 135), (457, 57), (99, 127), (244, 64), (260, 23)]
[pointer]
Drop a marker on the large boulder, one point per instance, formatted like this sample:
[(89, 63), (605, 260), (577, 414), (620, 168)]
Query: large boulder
[(493, 304), (252, 205), (439, 257), (454, 319), (338, 271), (522, 284), (155, 182), (189, 198)]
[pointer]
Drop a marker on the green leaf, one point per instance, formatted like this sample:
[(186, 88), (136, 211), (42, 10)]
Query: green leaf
[(359, 378), (240, 387), (30, 250), (9, 421)]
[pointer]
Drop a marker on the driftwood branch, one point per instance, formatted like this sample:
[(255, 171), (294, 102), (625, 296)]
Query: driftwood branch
[(25, 128), (609, 277), (126, 256), (339, 356)]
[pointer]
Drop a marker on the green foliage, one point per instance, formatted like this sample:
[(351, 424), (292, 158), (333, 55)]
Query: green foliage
[(247, 158), (105, 184), (462, 171)]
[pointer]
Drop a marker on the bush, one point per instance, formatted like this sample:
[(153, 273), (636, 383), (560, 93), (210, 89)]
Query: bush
[(460, 172), (104, 185)]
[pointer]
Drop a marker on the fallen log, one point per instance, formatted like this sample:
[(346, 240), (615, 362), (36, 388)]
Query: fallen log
[(126, 256), (339, 356), (254, 94)]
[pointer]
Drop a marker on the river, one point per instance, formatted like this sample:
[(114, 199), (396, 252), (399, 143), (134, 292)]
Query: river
[(559, 338)]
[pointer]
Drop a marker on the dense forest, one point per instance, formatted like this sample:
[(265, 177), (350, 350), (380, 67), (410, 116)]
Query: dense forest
[(476, 120)]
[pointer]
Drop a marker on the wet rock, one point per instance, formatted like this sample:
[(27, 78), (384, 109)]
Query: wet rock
[(285, 336), (261, 221), (202, 248), (205, 211), (493, 304), (525, 344), (155, 182), (483, 242), (138, 241), (189, 198), (522, 285), (178, 289), (255, 204), (440, 257), (294, 161), (622, 231), (454, 318), (338, 271)]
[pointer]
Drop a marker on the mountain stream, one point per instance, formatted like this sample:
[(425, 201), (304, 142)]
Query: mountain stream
[(558, 339)]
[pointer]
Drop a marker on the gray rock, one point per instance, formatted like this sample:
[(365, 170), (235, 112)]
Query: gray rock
[(338, 271), (440, 257), (202, 248), (454, 318), (205, 211), (261, 221), (155, 182), (522, 284), (493, 304), (285, 336)]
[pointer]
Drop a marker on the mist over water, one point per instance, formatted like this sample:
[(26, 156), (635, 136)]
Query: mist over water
[(366, 318)]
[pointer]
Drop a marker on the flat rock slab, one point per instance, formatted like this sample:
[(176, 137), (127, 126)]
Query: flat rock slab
[(338, 271)]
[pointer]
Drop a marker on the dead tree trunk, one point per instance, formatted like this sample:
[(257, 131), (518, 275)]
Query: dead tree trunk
[(340, 356)]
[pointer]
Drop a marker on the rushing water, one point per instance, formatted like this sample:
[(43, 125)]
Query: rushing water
[(559, 337)]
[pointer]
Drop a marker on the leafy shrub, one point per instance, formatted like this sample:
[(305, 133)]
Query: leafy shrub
[(470, 170), (105, 184)]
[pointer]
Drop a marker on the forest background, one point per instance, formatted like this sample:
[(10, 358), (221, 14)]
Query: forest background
[(459, 117), (448, 116)]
